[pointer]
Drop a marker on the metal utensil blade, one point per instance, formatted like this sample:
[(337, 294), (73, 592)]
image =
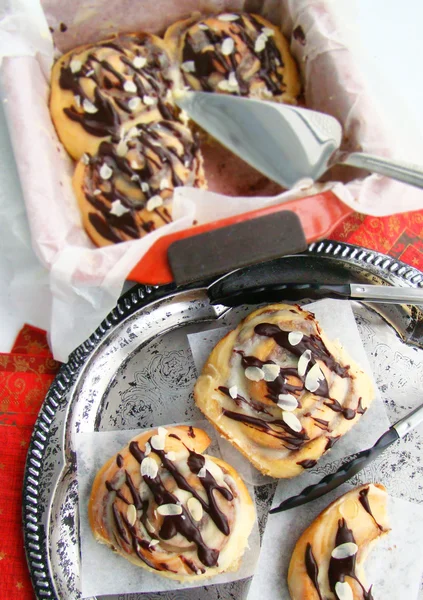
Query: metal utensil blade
[(281, 142)]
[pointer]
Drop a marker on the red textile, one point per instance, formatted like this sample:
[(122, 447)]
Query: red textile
[(27, 372)]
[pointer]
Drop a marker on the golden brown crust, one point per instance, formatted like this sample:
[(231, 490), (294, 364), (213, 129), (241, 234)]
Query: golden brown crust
[(129, 506), (280, 425), (238, 53), (346, 520)]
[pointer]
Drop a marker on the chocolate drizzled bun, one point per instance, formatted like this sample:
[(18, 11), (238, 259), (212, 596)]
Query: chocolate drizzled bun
[(125, 189), (240, 54), (328, 559), (97, 88), (280, 391), (165, 506)]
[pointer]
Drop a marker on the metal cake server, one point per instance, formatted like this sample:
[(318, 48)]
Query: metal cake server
[(285, 143), (356, 464)]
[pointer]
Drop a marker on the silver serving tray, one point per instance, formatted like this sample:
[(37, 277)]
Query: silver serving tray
[(139, 355)]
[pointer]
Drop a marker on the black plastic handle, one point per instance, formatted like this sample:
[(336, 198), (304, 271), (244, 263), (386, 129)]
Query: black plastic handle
[(345, 472)]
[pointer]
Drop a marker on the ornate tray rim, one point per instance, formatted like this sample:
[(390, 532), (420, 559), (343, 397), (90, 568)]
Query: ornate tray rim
[(34, 537)]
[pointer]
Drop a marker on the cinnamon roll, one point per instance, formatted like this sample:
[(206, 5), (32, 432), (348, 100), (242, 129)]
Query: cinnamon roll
[(235, 53), (327, 561), (97, 88), (125, 189), (165, 506), (280, 391)]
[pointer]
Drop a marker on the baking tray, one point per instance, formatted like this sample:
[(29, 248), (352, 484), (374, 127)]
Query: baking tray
[(139, 355)]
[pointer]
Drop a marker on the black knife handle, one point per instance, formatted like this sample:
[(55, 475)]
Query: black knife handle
[(345, 472), (277, 292)]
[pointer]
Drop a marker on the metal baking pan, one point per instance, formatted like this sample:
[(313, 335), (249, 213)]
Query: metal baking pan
[(139, 355)]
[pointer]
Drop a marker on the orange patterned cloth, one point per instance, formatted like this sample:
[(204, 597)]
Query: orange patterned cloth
[(26, 374)]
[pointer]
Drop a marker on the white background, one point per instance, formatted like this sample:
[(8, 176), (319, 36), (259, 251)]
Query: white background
[(389, 47)]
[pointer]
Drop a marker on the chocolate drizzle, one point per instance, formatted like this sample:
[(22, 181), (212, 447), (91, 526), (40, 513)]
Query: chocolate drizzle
[(364, 501), (339, 568), (312, 569), (183, 523), (153, 79), (266, 63), (308, 463), (239, 400), (157, 160), (292, 440)]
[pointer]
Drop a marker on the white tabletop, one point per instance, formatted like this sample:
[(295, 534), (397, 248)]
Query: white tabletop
[(389, 34)]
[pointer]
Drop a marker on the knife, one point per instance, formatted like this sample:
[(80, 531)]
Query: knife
[(354, 465), (296, 291)]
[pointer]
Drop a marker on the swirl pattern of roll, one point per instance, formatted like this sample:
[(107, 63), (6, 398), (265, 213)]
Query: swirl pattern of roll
[(280, 391), (125, 190), (167, 507), (235, 53), (97, 88)]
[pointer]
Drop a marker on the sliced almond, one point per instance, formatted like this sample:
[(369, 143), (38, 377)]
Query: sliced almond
[(139, 62), (130, 87), (147, 450), (131, 514), (157, 442), (105, 171), (148, 100), (75, 65), (343, 591), (260, 43), (228, 17), (149, 467), (195, 508), (314, 377), (254, 373), (154, 202), (292, 421), (295, 337), (202, 472), (89, 107), (344, 550), (144, 186), (134, 103), (233, 391), (287, 402), (118, 209), (268, 32), (303, 362), (153, 542), (122, 148), (188, 66), (227, 46), (169, 510), (271, 372), (203, 26), (85, 158)]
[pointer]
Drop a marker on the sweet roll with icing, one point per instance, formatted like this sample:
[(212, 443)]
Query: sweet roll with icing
[(280, 391), (168, 508)]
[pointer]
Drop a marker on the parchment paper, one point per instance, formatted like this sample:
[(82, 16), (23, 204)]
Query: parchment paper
[(103, 571), (85, 282), (342, 327), (394, 566)]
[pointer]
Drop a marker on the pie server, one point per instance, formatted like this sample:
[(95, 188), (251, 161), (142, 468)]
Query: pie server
[(285, 143), (354, 465)]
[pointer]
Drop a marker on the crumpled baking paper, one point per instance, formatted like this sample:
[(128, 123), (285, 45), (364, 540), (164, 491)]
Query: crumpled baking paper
[(85, 282)]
